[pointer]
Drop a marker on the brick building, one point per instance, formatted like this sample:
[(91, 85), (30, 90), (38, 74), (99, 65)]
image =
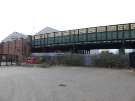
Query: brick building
[(20, 47), (1, 49)]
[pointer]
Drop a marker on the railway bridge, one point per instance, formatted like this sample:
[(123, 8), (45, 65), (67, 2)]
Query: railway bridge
[(121, 36)]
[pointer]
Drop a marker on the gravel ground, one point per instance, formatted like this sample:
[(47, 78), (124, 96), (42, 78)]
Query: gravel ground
[(66, 84)]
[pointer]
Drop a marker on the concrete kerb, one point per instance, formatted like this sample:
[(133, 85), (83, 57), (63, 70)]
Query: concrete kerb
[(35, 65)]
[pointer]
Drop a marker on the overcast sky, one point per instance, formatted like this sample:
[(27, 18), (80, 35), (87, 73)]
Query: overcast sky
[(30, 16)]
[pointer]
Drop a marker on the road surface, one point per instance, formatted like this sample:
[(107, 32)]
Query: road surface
[(66, 84)]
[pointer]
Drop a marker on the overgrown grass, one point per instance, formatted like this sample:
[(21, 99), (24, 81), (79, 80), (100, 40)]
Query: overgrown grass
[(67, 59), (72, 60), (105, 59)]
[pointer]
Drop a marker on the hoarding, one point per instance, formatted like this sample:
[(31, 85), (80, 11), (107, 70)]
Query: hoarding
[(126, 26), (83, 30), (132, 26), (50, 34), (112, 28), (72, 31), (76, 31), (101, 29), (45, 35), (42, 36), (65, 32), (120, 27), (37, 36), (33, 37), (92, 30), (57, 34)]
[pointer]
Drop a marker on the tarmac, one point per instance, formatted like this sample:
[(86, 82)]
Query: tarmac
[(66, 84)]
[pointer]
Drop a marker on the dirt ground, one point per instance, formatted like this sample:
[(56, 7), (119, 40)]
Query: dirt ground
[(66, 84)]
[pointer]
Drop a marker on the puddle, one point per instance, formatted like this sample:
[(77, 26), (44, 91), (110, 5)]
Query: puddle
[(62, 85)]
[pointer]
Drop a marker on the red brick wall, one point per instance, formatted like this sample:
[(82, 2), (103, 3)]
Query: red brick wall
[(1, 49), (5, 48), (12, 48), (19, 47)]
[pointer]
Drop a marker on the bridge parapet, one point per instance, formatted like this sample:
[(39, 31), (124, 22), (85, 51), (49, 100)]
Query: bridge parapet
[(101, 37)]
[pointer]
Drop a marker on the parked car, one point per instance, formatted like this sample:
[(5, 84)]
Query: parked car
[(31, 60)]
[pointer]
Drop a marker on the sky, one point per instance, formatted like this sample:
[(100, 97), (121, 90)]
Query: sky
[(30, 16)]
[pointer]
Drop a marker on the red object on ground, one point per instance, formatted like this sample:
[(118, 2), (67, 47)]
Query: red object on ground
[(31, 60)]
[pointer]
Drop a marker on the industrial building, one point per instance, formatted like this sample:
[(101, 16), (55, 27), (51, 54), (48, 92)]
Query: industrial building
[(17, 45)]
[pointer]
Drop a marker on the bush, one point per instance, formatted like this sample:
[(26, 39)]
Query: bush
[(40, 60), (72, 60), (66, 59), (106, 59)]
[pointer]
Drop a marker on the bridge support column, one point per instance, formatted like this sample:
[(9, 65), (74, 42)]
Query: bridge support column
[(88, 51), (81, 52), (122, 51), (84, 51)]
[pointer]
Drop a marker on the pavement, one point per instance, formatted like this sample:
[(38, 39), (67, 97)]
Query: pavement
[(66, 84)]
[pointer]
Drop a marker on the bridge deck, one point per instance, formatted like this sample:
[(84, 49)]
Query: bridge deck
[(103, 37)]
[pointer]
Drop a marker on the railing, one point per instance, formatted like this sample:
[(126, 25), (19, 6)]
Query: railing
[(111, 33), (6, 60)]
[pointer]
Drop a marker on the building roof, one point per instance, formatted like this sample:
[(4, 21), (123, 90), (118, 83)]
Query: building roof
[(47, 30), (14, 36)]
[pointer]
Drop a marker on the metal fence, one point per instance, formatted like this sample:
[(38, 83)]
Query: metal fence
[(6, 60)]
